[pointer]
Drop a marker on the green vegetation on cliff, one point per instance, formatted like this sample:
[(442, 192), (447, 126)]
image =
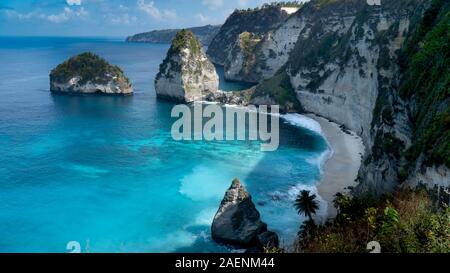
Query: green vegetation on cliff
[(184, 39), (279, 87), (426, 82), (89, 67), (408, 222)]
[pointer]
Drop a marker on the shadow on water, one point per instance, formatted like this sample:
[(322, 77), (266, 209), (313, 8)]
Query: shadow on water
[(227, 85), (96, 105), (273, 182)]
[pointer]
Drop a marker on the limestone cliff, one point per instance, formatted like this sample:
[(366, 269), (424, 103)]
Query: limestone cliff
[(257, 21), (186, 74), (87, 73), (344, 67), (347, 67), (378, 68), (256, 57)]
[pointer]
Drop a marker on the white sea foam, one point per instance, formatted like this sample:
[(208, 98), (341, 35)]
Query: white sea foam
[(303, 121), (205, 217), (322, 213)]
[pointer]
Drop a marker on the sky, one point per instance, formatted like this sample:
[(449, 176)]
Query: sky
[(111, 18)]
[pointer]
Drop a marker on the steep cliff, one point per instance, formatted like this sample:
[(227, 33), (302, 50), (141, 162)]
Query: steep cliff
[(87, 73), (269, 51), (186, 74), (346, 69), (204, 34), (422, 91), (257, 21), (379, 68)]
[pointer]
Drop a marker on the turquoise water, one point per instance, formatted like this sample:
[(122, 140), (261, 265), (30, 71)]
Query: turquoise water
[(104, 171)]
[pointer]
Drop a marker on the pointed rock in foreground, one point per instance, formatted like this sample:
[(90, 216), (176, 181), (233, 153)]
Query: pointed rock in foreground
[(186, 74), (238, 223)]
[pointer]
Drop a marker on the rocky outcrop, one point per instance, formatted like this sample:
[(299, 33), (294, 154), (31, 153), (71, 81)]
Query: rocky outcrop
[(269, 51), (186, 74), (238, 223), (257, 21), (274, 91), (87, 73), (242, 58), (344, 63), (204, 34), (359, 63)]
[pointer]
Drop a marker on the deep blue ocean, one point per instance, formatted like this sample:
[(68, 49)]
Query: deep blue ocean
[(104, 171)]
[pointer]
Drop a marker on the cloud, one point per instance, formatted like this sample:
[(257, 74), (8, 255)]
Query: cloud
[(11, 13), (124, 19), (202, 18), (149, 8), (73, 2), (213, 4), (154, 12), (66, 15), (243, 3), (170, 15)]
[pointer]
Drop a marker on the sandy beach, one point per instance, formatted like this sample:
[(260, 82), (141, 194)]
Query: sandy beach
[(341, 168)]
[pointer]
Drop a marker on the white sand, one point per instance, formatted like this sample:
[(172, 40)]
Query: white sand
[(341, 169)]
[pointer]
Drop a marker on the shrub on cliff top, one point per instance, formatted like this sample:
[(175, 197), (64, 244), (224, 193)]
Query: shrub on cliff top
[(88, 66), (186, 39), (406, 222)]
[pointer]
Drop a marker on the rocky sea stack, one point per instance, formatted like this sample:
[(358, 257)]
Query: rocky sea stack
[(88, 73), (186, 74), (238, 223)]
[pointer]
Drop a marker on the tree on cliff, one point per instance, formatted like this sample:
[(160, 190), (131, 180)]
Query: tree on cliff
[(306, 204)]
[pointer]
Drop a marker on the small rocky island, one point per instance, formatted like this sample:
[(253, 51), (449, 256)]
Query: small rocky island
[(237, 222), (88, 73), (186, 74)]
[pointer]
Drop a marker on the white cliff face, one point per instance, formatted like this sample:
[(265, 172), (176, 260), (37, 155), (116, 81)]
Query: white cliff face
[(186, 74), (269, 54), (431, 177), (258, 21), (274, 50), (241, 58), (113, 86)]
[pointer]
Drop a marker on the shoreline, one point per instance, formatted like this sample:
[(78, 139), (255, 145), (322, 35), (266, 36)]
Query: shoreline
[(340, 169)]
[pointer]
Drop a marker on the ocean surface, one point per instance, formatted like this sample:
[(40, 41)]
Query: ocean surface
[(105, 171)]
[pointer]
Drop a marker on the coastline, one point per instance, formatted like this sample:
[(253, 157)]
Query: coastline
[(340, 169)]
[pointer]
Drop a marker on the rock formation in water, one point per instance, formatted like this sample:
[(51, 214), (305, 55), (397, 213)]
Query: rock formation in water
[(238, 223), (204, 34), (186, 74), (87, 73)]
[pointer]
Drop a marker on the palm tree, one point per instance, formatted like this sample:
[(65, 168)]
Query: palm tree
[(306, 204)]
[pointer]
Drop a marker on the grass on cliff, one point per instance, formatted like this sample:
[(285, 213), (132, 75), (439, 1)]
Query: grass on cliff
[(186, 39), (88, 66), (278, 87), (407, 222), (247, 43), (426, 81)]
